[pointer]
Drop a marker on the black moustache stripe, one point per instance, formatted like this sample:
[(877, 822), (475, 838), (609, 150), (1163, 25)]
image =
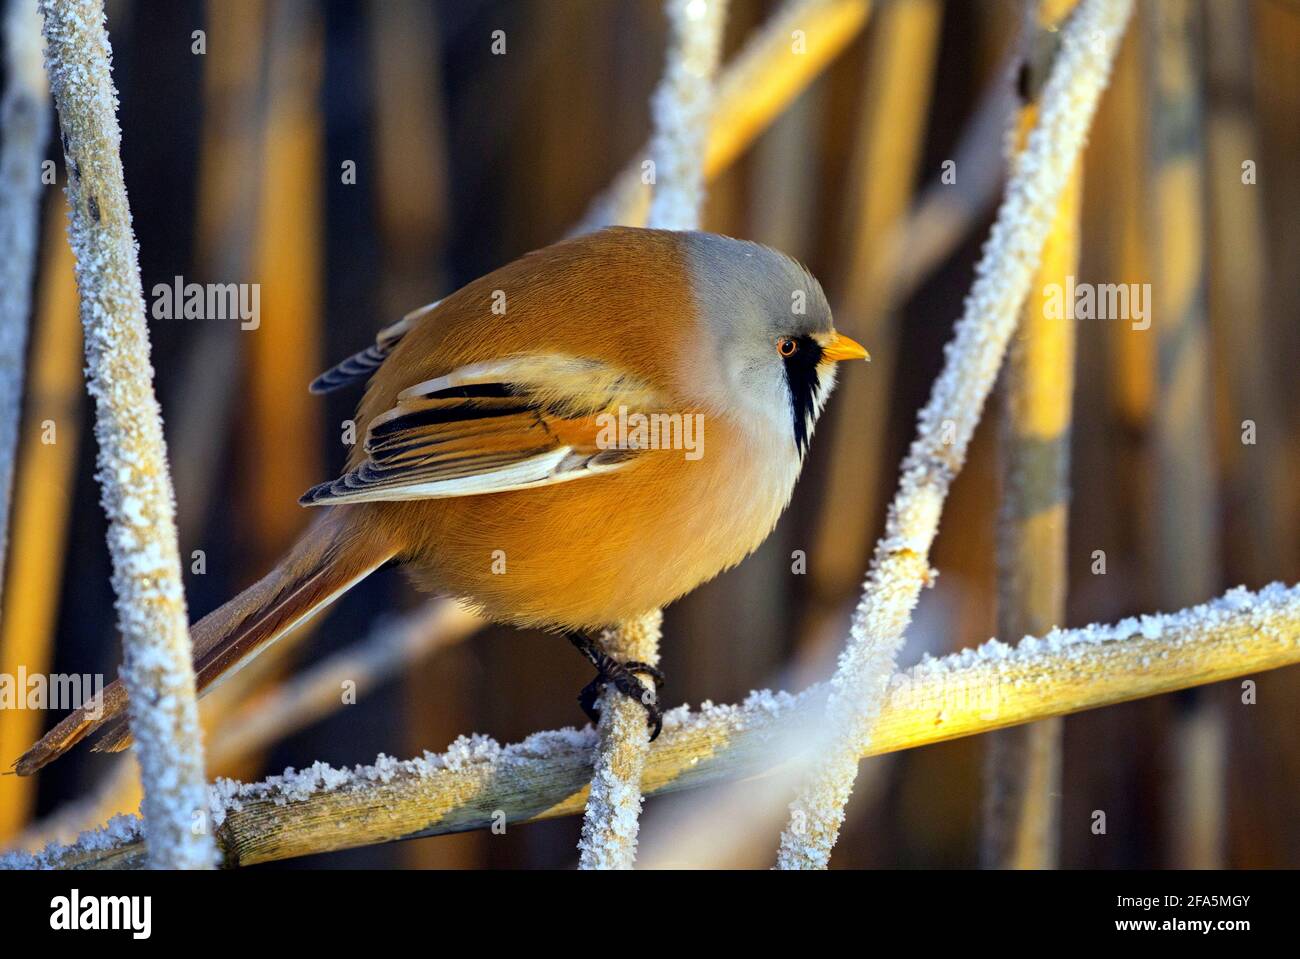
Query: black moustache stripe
[(801, 374)]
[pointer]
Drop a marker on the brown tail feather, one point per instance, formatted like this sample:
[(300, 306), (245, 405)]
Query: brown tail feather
[(333, 555)]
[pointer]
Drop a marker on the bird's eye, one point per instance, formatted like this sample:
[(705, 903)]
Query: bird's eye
[(787, 346)]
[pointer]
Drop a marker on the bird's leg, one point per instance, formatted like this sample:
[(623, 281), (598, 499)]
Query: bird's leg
[(623, 678)]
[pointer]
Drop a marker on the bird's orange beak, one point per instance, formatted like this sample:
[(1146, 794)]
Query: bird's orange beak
[(840, 347)]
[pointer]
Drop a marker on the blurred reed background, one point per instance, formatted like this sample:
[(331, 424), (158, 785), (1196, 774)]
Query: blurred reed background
[(237, 161)]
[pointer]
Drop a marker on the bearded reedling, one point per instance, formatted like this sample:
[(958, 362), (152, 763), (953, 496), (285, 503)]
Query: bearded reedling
[(488, 470)]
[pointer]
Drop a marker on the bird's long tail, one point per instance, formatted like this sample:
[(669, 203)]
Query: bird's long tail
[(334, 554)]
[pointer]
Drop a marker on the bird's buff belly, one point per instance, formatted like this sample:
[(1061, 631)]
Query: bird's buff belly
[(594, 552)]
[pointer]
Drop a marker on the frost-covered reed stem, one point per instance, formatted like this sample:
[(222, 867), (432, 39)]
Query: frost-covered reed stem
[(612, 817), (133, 476), (682, 107), (24, 129), (321, 809), (779, 61), (900, 567)]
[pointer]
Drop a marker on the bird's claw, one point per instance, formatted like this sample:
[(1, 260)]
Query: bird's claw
[(622, 677), (654, 672)]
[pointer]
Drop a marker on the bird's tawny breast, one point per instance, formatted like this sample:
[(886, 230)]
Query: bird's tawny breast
[(591, 553)]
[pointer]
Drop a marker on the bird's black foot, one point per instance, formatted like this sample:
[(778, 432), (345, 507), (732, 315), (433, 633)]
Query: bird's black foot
[(622, 676)]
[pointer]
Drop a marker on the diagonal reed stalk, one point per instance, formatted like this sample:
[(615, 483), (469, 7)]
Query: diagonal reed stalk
[(900, 568)]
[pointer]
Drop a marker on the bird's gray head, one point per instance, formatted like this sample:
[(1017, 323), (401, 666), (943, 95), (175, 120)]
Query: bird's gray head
[(771, 328)]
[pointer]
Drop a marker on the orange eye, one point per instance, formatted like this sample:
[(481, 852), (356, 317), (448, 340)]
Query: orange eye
[(787, 346)]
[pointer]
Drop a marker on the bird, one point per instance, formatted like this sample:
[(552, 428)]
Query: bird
[(509, 460)]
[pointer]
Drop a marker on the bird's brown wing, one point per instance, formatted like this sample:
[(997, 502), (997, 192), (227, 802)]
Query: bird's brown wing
[(359, 366), (515, 423)]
